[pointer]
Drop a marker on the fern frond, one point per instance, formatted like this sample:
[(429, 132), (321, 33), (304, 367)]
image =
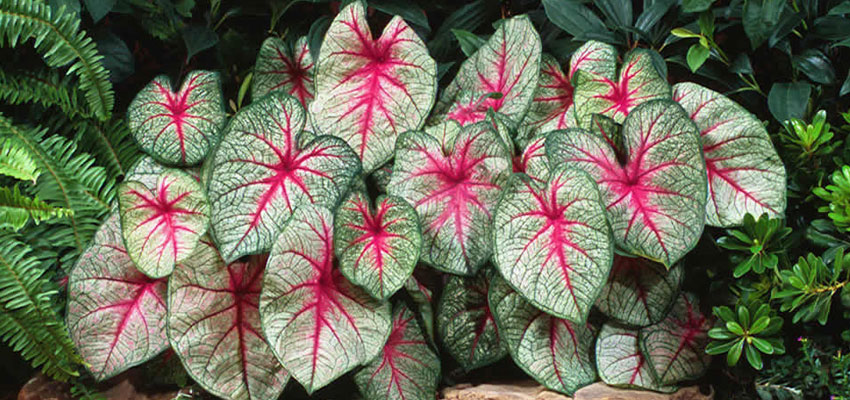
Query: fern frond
[(46, 88), (17, 209), (16, 162), (27, 323), (58, 38), (111, 143)]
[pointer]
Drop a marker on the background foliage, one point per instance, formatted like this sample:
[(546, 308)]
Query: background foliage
[(71, 67)]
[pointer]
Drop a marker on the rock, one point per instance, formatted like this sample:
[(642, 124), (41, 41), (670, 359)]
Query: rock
[(40, 387), (122, 387), (601, 391), (526, 390)]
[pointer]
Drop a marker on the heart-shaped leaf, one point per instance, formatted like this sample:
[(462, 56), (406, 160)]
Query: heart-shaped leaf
[(553, 107), (377, 247), (452, 176), (620, 361), (745, 174), (319, 325), (465, 324), (639, 292), (116, 314), (552, 243), (214, 326), (501, 75), (178, 128), (655, 196), (265, 167), (162, 226), (638, 83), (532, 161), (371, 90), (553, 351), (285, 66), (406, 368), (675, 347)]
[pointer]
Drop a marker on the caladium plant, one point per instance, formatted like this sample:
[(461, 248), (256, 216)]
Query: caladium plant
[(285, 66)]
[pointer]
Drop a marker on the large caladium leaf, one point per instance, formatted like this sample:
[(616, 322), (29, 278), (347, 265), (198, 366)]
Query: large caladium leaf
[(406, 369), (653, 185), (745, 174), (452, 176), (620, 361), (501, 76), (116, 314), (162, 226), (465, 324), (214, 326), (639, 292), (553, 351), (285, 66), (370, 90), (319, 325), (377, 247), (552, 242), (178, 128), (260, 172), (553, 107), (675, 347), (638, 82)]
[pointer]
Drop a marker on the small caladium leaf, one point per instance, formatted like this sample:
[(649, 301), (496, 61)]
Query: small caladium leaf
[(318, 324), (214, 326), (639, 292), (501, 75), (655, 196), (178, 128), (452, 176), (162, 226), (620, 361), (745, 174), (370, 90), (552, 106), (553, 351), (533, 161), (285, 66), (377, 247), (260, 173), (381, 177), (116, 314), (675, 347), (422, 298), (407, 368), (465, 324), (638, 83), (552, 242)]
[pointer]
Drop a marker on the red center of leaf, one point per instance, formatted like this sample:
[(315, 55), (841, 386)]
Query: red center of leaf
[(163, 210), (297, 75), (177, 111), (620, 94), (375, 230)]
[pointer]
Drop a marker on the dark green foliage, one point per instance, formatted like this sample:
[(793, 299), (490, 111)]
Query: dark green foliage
[(809, 286), (761, 242), (752, 330)]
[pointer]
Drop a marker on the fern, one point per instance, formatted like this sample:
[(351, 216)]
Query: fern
[(59, 40), (16, 162), (46, 88), (16, 209), (28, 324), (110, 142)]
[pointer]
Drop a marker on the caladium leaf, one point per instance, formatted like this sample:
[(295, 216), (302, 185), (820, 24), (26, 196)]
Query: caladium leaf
[(552, 242), (639, 292), (162, 226), (553, 107), (620, 361), (745, 174), (260, 172), (501, 75), (638, 82), (377, 247), (533, 161), (422, 298), (553, 351), (655, 195), (675, 347), (285, 66), (178, 128), (146, 171), (318, 324), (116, 314), (452, 176), (407, 368), (370, 90), (214, 326), (465, 324)]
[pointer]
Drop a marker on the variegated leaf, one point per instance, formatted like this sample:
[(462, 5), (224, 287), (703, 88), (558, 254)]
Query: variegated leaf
[(285, 66), (532, 161), (639, 292), (675, 347), (371, 90), (620, 361)]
